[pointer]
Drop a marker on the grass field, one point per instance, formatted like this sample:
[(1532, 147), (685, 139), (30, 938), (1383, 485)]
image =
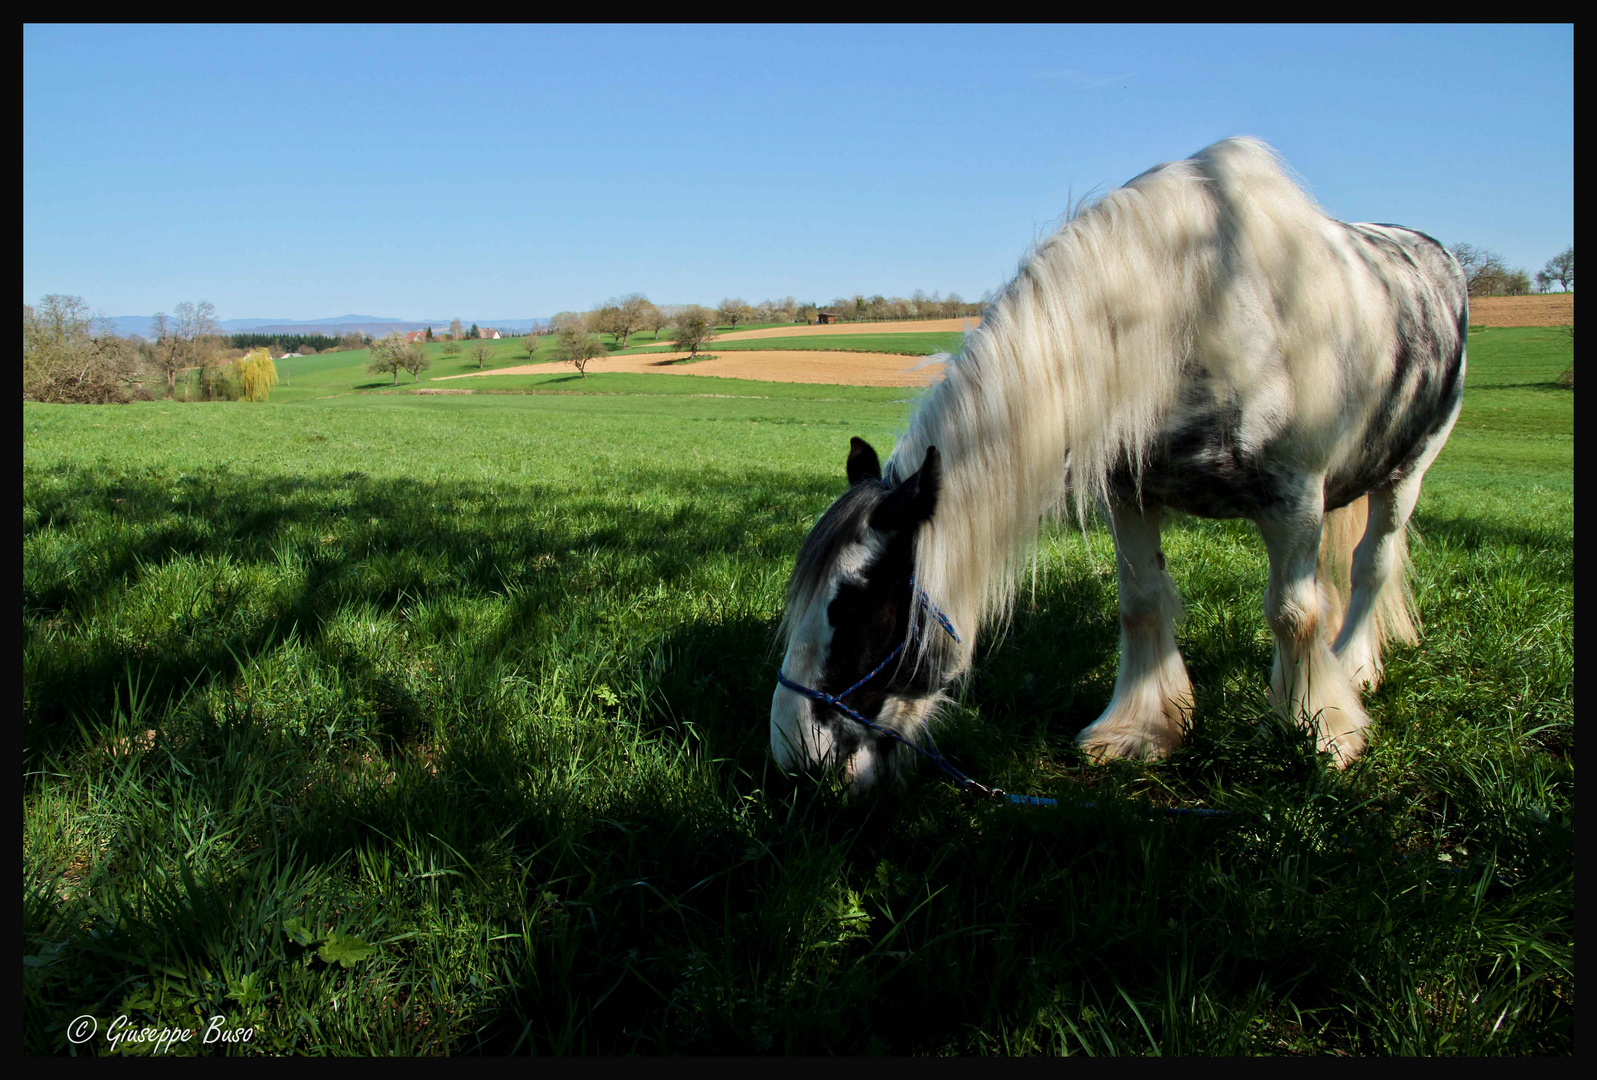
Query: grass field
[(307, 378), (401, 724)]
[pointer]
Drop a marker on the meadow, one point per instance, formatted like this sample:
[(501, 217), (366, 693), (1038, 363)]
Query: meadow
[(389, 723)]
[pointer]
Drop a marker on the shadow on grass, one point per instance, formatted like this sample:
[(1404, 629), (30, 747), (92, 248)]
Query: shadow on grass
[(1545, 387), (566, 836), (332, 544), (1474, 532)]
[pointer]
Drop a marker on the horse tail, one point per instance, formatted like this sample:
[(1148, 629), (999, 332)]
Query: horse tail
[(1394, 617)]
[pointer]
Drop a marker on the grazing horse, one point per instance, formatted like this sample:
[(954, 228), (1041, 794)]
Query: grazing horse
[(1203, 338)]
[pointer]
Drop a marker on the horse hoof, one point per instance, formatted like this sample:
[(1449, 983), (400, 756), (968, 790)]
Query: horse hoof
[(1345, 748), (1107, 746)]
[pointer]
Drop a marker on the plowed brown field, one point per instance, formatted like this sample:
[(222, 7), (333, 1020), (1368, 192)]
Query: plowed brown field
[(1552, 309), (837, 368)]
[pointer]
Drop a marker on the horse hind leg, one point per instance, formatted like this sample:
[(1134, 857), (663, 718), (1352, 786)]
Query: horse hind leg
[(1308, 682), (1381, 608), (1152, 703)]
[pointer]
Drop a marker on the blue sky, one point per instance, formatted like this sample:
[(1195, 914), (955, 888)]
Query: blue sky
[(304, 172)]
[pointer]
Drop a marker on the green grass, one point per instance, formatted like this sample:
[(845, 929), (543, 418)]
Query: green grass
[(405, 724), (310, 377)]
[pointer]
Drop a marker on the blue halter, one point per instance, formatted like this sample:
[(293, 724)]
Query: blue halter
[(960, 780)]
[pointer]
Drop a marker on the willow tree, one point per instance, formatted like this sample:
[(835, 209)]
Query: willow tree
[(257, 374)]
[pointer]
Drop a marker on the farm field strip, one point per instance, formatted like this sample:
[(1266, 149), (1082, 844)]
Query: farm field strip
[(1548, 309), (853, 369)]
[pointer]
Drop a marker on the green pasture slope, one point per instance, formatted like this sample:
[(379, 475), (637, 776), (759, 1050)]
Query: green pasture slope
[(308, 378), (402, 724)]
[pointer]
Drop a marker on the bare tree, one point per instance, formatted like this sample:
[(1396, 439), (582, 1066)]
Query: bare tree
[(656, 319), (577, 347), (564, 319), (604, 319), (780, 310), (1485, 273), (732, 311), (479, 352), (456, 331), (631, 313), (189, 338), (196, 332), (164, 350), (1516, 283), (695, 326), (388, 356), (1560, 268), (414, 359), (196, 325), (68, 356), (530, 343)]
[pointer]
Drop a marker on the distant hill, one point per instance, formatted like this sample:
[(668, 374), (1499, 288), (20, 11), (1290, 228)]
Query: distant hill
[(375, 325)]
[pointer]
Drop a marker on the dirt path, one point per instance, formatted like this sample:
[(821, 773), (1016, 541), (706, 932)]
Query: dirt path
[(1551, 309), (836, 368)]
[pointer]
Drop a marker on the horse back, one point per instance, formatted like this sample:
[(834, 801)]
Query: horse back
[(1341, 374)]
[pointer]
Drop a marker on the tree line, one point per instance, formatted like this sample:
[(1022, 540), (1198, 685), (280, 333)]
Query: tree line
[(1487, 274), (579, 333), (69, 355), (304, 344)]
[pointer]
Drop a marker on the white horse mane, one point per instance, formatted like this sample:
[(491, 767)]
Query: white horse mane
[(1077, 366)]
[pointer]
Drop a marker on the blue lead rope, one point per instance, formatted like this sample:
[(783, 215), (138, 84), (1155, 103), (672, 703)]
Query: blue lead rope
[(960, 780)]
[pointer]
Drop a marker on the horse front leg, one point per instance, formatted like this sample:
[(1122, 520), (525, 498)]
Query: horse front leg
[(1308, 682), (1152, 704)]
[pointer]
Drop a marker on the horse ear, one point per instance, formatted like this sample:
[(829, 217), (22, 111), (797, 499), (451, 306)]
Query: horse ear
[(863, 464), (913, 501)]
